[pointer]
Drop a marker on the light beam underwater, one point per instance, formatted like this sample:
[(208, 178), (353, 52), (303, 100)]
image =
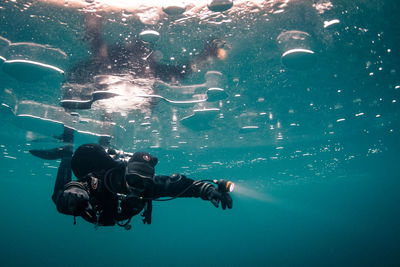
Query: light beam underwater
[(242, 190)]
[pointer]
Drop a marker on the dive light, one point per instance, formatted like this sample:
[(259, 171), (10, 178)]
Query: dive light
[(224, 186)]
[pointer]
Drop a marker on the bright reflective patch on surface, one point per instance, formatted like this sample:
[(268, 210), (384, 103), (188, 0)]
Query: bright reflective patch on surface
[(118, 94)]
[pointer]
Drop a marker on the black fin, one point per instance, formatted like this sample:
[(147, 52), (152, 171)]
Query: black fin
[(55, 153)]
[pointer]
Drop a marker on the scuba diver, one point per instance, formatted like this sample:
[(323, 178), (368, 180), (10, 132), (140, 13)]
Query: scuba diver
[(113, 186)]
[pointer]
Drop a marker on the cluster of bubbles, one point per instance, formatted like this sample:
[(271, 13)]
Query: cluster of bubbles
[(32, 63), (216, 106)]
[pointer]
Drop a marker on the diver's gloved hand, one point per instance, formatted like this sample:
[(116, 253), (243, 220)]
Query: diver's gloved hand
[(209, 192), (73, 201)]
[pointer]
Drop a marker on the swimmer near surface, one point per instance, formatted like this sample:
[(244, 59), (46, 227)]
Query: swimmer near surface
[(111, 186)]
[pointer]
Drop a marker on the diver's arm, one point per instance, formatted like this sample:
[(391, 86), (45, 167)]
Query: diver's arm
[(70, 197), (178, 185), (73, 199)]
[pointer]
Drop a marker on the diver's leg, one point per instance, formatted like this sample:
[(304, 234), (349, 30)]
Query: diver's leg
[(64, 173), (91, 158)]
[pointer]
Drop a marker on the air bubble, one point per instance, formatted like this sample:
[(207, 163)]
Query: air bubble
[(149, 36), (220, 5)]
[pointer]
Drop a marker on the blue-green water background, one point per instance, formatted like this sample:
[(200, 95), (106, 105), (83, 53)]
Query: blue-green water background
[(334, 203)]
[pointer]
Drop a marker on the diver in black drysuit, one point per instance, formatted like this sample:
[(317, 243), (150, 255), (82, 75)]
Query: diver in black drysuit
[(112, 188)]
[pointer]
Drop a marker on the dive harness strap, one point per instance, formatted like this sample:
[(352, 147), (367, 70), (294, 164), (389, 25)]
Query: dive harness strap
[(146, 214)]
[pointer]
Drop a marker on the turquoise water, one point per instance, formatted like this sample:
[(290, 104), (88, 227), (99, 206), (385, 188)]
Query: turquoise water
[(313, 150)]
